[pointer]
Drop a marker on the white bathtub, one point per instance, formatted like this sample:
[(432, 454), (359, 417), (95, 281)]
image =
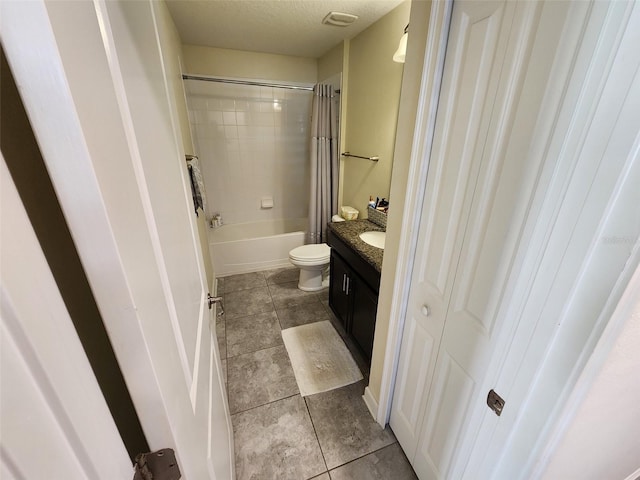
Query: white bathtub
[(249, 247)]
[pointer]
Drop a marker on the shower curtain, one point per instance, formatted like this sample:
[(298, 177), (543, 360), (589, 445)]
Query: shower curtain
[(324, 163)]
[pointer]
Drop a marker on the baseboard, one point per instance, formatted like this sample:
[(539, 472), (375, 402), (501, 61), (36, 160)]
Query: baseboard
[(371, 403)]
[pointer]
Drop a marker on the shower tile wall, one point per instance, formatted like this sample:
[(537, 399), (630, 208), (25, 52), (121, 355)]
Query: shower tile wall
[(252, 142)]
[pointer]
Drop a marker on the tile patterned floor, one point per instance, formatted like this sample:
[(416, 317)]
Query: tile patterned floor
[(278, 434)]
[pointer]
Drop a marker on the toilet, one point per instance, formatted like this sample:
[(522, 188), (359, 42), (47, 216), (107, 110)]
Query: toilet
[(313, 262)]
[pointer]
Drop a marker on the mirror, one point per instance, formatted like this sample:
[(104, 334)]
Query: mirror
[(372, 95)]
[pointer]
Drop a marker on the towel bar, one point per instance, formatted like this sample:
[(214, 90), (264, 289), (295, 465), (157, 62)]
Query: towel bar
[(347, 154)]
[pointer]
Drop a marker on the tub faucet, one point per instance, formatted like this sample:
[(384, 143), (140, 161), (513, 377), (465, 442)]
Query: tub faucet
[(213, 300)]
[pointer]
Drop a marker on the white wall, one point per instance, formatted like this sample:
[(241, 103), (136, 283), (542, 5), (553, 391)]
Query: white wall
[(253, 142)]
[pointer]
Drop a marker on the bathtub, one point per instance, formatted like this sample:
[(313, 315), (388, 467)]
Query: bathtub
[(249, 247)]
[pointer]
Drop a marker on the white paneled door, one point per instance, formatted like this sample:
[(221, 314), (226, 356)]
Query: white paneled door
[(479, 190), (94, 83), (55, 421)]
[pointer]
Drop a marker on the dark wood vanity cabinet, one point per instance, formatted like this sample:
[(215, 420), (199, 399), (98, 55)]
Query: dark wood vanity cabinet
[(353, 294), (339, 299), (363, 316)]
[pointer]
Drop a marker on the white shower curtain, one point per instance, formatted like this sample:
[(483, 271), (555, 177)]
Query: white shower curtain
[(324, 163)]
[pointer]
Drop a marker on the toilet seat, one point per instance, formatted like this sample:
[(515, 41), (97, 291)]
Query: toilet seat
[(312, 254)]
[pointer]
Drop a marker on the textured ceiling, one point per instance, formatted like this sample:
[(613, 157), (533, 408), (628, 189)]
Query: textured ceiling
[(287, 27)]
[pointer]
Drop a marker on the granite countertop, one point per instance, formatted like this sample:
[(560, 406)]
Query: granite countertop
[(349, 232)]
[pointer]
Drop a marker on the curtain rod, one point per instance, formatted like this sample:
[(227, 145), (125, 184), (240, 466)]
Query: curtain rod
[(245, 82)]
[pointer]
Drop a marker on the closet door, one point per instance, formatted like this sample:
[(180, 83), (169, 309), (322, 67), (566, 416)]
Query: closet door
[(467, 93), (479, 188)]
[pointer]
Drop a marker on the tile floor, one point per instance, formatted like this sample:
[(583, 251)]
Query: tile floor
[(279, 434)]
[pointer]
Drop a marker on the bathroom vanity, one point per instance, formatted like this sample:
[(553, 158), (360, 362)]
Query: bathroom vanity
[(355, 280)]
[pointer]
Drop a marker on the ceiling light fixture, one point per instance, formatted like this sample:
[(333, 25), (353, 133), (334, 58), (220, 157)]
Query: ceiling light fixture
[(339, 19), (401, 52)]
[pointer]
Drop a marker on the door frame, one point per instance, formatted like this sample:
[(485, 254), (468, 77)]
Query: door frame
[(432, 68)]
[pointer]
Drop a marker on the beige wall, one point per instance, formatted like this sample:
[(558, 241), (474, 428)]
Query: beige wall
[(406, 123), (373, 96), (172, 52), (252, 65), (330, 63)]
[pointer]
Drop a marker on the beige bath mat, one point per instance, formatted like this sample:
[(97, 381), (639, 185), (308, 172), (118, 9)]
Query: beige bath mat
[(320, 359)]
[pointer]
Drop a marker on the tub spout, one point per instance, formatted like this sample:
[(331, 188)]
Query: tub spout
[(213, 300)]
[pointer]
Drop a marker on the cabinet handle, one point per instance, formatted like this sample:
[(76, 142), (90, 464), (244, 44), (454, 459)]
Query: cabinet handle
[(344, 280), (426, 311), (347, 291)]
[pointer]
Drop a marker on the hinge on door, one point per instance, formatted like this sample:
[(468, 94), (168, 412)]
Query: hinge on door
[(160, 465), (495, 402)]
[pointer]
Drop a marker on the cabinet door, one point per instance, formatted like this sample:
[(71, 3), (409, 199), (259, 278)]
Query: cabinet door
[(338, 293), (363, 317)]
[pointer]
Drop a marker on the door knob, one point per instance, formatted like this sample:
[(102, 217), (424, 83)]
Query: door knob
[(426, 311), (211, 300)]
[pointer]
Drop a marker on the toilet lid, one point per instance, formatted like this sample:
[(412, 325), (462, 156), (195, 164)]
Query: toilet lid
[(311, 252)]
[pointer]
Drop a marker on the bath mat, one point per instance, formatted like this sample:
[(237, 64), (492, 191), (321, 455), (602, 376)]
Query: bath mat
[(319, 357)]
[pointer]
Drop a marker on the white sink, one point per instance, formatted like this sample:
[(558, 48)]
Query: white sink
[(375, 239)]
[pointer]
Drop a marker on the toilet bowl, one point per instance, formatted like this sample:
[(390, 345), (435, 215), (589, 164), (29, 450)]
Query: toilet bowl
[(313, 262)]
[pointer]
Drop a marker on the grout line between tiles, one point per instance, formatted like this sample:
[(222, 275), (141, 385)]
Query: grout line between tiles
[(313, 425), (362, 456), (234, 318), (279, 322), (278, 317), (266, 284), (254, 351), (247, 288), (259, 350), (263, 404)]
